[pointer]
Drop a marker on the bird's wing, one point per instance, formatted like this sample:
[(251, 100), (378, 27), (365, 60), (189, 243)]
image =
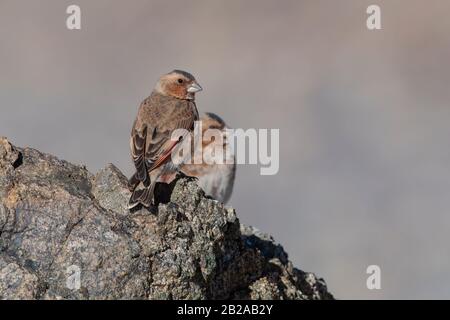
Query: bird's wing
[(144, 137), (137, 145), (164, 115), (181, 115), (151, 143)]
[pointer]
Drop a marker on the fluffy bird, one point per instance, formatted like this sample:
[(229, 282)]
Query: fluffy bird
[(217, 180), (170, 106)]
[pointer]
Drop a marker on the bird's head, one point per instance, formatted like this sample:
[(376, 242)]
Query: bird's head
[(178, 84), (212, 121)]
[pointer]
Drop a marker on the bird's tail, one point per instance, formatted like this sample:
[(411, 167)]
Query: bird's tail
[(142, 196)]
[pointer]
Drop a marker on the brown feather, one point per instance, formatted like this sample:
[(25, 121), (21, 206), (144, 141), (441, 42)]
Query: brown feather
[(151, 145)]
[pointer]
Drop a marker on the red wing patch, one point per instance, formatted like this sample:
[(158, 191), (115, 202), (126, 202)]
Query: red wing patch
[(164, 157)]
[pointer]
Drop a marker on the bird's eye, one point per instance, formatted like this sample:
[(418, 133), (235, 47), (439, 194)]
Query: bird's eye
[(180, 80)]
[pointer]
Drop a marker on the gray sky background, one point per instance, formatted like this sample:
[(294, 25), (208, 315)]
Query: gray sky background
[(364, 115)]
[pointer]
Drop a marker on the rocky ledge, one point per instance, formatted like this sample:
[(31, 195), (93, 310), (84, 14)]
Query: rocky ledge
[(67, 234)]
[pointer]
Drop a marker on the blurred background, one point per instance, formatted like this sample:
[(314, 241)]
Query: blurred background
[(364, 116)]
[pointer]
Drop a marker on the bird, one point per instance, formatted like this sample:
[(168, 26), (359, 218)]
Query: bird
[(217, 179), (170, 106)]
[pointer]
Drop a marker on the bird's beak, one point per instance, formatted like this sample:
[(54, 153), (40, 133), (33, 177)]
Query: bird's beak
[(194, 87)]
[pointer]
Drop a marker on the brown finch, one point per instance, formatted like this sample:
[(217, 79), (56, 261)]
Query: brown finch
[(216, 179), (170, 106)]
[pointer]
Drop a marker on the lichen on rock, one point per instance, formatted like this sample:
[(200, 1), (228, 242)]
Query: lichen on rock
[(67, 234)]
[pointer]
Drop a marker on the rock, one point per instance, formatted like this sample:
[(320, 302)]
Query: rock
[(67, 234)]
